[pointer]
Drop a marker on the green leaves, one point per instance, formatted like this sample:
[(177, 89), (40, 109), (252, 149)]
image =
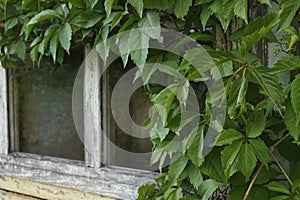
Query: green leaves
[(138, 5), (290, 120), (247, 160), (261, 150), (287, 13), (44, 15), (176, 168), (227, 137), (65, 36), (295, 97), (278, 187), (86, 19), (256, 30), (286, 63), (182, 7), (195, 151), (20, 48), (255, 124), (270, 85)]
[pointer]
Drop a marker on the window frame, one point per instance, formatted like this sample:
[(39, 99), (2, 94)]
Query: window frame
[(90, 176)]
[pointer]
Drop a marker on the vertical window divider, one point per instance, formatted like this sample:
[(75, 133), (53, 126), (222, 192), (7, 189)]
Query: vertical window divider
[(91, 109), (4, 133)]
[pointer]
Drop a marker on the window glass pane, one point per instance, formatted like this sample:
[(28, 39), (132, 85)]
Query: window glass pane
[(131, 150), (44, 108)]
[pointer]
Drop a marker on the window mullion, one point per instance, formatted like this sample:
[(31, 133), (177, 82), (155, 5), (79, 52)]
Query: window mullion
[(91, 110), (3, 112)]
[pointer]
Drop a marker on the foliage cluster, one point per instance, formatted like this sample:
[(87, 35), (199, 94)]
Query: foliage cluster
[(261, 129)]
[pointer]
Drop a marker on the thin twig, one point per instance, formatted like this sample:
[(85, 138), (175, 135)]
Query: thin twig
[(272, 148)]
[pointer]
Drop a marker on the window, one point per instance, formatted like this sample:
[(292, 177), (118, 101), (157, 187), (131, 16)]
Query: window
[(38, 141)]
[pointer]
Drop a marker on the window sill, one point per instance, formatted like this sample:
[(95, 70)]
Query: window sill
[(56, 174)]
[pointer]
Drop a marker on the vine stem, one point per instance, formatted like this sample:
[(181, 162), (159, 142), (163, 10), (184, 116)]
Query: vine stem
[(272, 148)]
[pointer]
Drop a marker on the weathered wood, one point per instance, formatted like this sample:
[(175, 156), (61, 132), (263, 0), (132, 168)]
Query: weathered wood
[(106, 181), (44, 191), (6, 195), (3, 112), (91, 109)]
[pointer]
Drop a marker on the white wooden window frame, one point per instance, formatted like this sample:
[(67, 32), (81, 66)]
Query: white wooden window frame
[(88, 176)]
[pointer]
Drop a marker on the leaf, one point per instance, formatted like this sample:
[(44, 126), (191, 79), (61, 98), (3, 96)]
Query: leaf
[(182, 119), (20, 48), (241, 9), (12, 22), (163, 102), (108, 6), (91, 3), (266, 175), (150, 25), (228, 137), (278, 187), (295, 97), (138, 6), (270, 85), (255, 124), (173, 193), (176, 168), (195, 176), (286, 63), (182, 7), (195, 152), (207, 188), (29, 4), (288, 11), (77, 3), (34, 53), (158, 4), (229, 156), (139, 48), (145, 190), (102, 47), (294, 37), (47, 36), (43, 15), (281, 197), (65, 36), (261, 150), (53, 46), (247, 160), (267, 2), (204, 15), (86, 19), (290, 120), (256, 30), (242, 91), (212, 166)]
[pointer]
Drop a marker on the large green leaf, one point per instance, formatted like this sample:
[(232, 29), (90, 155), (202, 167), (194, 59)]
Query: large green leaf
[(255, 124), (91, 3), (207, 188), (150, 24), (204, 15), (295, 97), (195, 152), (247, 160), (223, 10), (176, 168), (278, 187), (227, 137), (77, 3), (288, 11), (53, 46), (86, 19), (270, 84), (286, 63), (47, 36), (138, 6), (195, 175), (290, 120), (182, 7), (163, 102), (256, 30), (12, 22), (241, 9), (261, 150), (43, 15), (65, 36), (158, 4), (20, 48), (229, 156), (212, 166), (108, 6)]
